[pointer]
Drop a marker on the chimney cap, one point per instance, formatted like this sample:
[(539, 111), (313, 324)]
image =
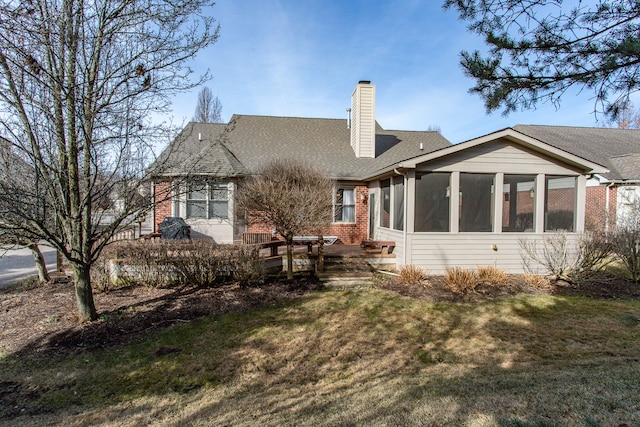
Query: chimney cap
[(364, 82)]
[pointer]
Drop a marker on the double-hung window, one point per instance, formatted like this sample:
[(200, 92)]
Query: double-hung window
[(344, 205), (207, 200)]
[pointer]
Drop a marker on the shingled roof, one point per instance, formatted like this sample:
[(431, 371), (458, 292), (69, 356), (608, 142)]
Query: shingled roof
[(247, 143), (616, 149)]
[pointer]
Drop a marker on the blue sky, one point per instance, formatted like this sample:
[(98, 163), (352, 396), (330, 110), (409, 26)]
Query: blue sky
[(304, 57)]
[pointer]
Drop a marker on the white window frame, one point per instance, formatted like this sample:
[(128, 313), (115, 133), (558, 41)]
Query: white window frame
[(208, 200), (344, 188)]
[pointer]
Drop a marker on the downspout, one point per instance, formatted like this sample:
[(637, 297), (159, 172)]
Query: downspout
[(404, 220)]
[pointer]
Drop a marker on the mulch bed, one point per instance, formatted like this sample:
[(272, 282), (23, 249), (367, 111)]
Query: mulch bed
[(435, 289), (42, 318)]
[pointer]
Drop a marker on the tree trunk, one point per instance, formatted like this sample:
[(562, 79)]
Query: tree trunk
[(41, 266), (84, 295), (289, 258)]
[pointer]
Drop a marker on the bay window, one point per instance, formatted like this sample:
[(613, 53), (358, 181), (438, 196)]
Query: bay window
[(207, 200)]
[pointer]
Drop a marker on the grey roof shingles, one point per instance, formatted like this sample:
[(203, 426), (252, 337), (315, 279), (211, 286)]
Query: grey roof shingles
[(247, 143), (616, 149)]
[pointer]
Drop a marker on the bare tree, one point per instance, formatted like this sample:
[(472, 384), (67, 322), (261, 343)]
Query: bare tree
[(628, 118), (626, 238), (81, 87), (290, 196), (209, 107)]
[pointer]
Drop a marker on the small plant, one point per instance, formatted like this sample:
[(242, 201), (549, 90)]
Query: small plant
[(461, 280), (492, 275), (536, 281), (411, 275)]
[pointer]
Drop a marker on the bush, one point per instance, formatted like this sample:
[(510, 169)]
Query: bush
[(136, 262), (536, 281), (625, 244), (492, 275), (461, 280), (560, 258), (411, 275), (198, 263), (160, 263)]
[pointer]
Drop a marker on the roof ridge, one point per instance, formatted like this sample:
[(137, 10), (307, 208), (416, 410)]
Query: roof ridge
[(285, 117), (576, 127)]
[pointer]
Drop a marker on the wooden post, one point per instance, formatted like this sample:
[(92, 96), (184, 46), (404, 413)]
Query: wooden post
[(320, 254)]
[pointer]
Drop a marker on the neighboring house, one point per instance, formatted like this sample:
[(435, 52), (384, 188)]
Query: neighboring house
[(612, 196), (437, 201)]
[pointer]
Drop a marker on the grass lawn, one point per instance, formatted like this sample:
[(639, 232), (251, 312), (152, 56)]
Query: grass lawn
[(351, 358)]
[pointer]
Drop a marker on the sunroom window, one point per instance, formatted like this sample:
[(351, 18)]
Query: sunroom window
[(432, 202), (398, 203), (385, 191), (476, 202), (518, 201), (344, 209), (560, 203)]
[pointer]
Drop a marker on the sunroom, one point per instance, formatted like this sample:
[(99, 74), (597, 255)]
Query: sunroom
[(473, 203)]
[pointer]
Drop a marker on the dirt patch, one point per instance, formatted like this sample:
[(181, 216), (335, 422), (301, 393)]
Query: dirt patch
[(43, 318)]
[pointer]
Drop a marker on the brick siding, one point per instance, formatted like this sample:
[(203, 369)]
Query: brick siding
[(595, 213), (162, 194), (348, 233)]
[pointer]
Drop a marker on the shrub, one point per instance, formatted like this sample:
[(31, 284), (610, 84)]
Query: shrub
[(492, 275), (136, 262), (536, 281), (160, 263), (461, 280), (243, 264), (626, 245), (197, 262), (564, 260), (411, 275)]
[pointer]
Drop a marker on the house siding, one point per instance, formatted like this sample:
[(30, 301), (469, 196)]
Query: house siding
[(439, 251), (394, 236), (499, 156)]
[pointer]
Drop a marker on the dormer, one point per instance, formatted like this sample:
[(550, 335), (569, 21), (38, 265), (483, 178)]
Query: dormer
[(363, 119)]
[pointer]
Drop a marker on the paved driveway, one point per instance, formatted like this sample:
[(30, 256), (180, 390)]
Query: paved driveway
[(17, 264)]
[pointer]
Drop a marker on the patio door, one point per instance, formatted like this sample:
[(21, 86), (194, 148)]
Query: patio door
[(372, 214)]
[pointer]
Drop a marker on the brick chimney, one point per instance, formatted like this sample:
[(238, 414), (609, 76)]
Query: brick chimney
[(363, 119)]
